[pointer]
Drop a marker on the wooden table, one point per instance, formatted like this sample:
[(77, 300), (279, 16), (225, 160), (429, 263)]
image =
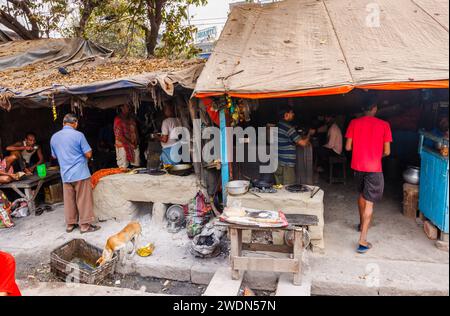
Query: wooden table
[(297, 224), (28, 183)]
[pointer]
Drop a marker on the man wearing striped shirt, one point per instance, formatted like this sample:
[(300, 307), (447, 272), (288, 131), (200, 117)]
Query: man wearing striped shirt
[(288, 139)]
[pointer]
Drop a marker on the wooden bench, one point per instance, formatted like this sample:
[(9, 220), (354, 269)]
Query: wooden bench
[(28, 183), (297, 225)]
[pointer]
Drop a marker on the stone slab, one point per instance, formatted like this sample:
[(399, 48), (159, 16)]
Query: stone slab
[(222, 284), (64, 289)]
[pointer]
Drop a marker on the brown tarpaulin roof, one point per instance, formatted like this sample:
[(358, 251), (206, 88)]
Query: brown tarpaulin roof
[(318, 47)]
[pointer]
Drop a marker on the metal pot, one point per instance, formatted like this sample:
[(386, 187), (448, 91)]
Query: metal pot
[(238, 187), (262, 184), (181, 169), (412, 175)]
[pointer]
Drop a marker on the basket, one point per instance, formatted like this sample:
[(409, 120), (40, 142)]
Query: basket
[(63, 263)]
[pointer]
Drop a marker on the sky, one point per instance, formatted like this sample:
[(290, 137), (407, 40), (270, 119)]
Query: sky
[(213, 14)]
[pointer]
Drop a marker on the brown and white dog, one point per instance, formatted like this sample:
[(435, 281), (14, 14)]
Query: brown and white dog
[(130, 233)]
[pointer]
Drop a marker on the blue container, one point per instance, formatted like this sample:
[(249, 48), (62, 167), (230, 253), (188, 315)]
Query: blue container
[(433, 192)]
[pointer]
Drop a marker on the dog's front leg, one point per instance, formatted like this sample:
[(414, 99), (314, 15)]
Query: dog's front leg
[(135, 244), (122, 256)]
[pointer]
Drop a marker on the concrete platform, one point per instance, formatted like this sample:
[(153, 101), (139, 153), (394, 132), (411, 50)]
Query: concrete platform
[(118, 196), (402, 262)]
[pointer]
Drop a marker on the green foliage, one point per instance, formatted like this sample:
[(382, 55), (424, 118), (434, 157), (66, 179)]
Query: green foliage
[(177, 39), (116, 26), (130, 27), (33, 19)]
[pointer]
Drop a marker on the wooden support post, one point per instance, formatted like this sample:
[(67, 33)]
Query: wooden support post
[(298, 254), (224, 155), (236, 250)]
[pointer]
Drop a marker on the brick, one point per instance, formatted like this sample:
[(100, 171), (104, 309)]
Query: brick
[(430, 230), (410, 200)]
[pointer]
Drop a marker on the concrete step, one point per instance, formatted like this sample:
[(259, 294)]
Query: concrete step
[(222, 284), (72, 289)]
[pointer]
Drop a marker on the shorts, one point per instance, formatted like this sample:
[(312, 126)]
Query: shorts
[(370, 185)]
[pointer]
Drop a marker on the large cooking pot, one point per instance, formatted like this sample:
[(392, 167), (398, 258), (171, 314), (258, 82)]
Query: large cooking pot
[(238, 187), (412, 175)]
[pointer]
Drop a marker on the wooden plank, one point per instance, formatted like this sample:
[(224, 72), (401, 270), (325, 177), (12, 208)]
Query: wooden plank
[(31, 181), (242, 227), (302, 220), (295, 221), (236, 250), (265, 264), (266, 247), (298, 254)]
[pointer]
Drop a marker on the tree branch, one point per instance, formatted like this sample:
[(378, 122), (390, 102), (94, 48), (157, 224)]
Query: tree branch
[(10, 22), (24, 6)]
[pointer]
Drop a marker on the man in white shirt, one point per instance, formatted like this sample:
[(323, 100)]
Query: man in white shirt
[(334, 144), (169, 135)]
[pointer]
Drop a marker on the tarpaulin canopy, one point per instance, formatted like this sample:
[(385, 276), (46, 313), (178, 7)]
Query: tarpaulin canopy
[(166, 81), (320, 47), (30, 73)]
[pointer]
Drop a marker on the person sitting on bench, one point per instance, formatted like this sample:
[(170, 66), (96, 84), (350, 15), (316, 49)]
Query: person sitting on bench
[(7, 174), (25, 153), (334, 144)]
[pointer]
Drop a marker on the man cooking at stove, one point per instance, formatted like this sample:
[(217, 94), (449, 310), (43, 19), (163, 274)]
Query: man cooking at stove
[(288, 139), (27, 153), (169, 135)]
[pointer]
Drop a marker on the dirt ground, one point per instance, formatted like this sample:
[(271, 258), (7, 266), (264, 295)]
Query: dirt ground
[(409, 263)]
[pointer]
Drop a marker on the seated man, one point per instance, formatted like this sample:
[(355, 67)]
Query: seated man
[(6, 170), (8, 286), (25, 153), (333, 146)]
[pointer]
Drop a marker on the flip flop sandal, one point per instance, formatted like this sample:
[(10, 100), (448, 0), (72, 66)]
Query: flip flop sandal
[(48, 208), (91, 229), (39, 211), (71, 229), (363, 249)]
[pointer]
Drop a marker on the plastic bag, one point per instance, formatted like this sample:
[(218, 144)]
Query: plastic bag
[(197, 214), (19, 208)]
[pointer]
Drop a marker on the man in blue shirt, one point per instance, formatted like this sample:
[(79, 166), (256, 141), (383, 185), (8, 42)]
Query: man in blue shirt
[(288, 139), (73, 152)]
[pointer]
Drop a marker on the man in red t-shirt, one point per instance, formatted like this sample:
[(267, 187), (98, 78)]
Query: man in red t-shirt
[(8, 286), (370, 139)]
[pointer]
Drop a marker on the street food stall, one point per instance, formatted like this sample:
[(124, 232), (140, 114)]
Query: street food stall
[(268, 57)]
